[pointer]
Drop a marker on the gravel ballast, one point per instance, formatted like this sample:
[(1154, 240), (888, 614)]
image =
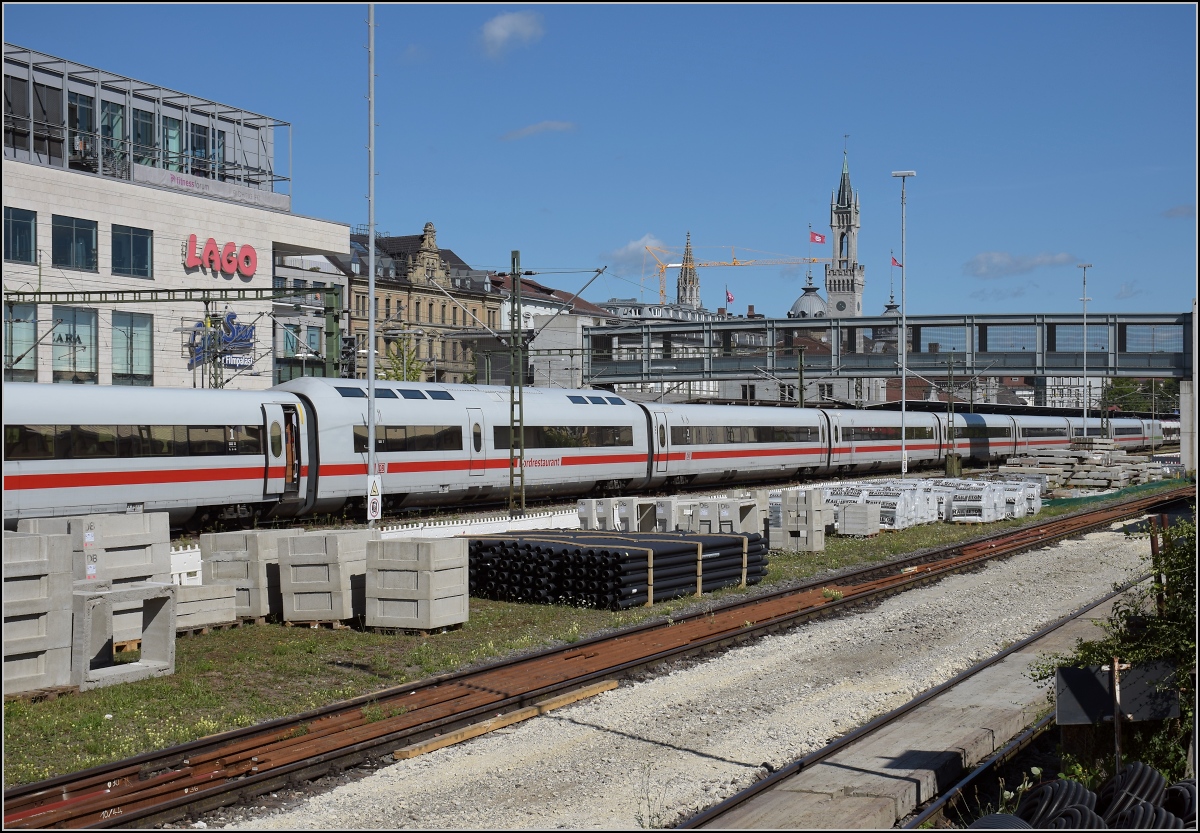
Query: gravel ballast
[(652, 752)]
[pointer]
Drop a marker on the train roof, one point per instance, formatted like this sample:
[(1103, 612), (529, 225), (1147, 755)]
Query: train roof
[(319, 388), (30, 403)]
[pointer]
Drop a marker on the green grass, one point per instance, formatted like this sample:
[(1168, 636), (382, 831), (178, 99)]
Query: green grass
[(230, 679)]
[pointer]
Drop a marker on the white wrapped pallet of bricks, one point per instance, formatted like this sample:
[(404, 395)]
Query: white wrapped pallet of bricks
[(859, 519), (323, 576), (121, 548), (1015, 504), (841, 495), (417, 584), (249, 562), (37, 611), (974, 503)]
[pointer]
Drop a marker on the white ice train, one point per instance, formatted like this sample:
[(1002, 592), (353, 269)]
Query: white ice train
[(301, 447)]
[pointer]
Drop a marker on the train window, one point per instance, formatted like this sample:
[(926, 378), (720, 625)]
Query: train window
[(439, 394), (1091, 432), (1127, 432), (28, 442), (1057, 431), (206, 439), (89, 441), (163, 443), (681, 435), (569, 436), (245, 439), (450, 438), (276, 440), (662, 436), (596, 400), (422, 438), (360, 439), (612, 400), (397, 438), (133, 440), (351, 393), (578, 400), (411, 394), (477, 437), (385, 393)]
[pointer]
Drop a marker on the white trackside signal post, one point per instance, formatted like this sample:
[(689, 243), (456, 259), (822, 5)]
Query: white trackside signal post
[(374, 503)]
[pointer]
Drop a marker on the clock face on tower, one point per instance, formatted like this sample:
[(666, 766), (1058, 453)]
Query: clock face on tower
[(841, 305)]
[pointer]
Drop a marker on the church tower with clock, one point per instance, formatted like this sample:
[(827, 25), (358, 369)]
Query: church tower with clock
[(844, 277)]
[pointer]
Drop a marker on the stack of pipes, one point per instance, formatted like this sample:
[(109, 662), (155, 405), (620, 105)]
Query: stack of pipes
[(611, 571)]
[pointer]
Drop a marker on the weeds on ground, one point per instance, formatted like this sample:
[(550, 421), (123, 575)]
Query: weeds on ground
[(651, 813)]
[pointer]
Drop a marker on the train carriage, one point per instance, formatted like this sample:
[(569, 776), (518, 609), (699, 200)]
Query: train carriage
[(1042, 433), (870, 440), (75, 449), (984, 438), (706, 444), (445, 444)]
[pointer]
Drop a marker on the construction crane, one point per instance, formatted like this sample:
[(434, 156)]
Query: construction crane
[(733, 261)]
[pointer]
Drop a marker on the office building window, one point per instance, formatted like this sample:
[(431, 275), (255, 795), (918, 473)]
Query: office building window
[(81, 131), (172, 143), (47, 124), (73, 345), (199, 149), (16, 112), (20, 235), (143, 137), (314, 340), (20, 342), (291, 340), (278, 282), (132, 252), (132, 349), (73, 243)]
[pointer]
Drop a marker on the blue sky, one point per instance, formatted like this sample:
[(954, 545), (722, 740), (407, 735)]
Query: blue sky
[(1042, 135)]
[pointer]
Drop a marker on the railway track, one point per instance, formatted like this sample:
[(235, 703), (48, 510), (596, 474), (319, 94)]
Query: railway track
[(170, 784)]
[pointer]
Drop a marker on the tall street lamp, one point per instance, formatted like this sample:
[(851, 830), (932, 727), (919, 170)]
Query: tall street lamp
[(904, 175), (1085, 299)]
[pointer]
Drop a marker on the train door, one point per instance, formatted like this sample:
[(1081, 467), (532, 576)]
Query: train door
[(276, 461), (284, 454), (660, 442), (476, 454), (835, 440)]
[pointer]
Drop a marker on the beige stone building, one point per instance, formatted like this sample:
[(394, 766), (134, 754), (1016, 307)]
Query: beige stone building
[(425, 297)]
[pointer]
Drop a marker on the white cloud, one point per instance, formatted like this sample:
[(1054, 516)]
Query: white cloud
[(1127, 290), (540, 127), (992, 296), (989, 265), (629, 259), (1186, 212), (513, 29)]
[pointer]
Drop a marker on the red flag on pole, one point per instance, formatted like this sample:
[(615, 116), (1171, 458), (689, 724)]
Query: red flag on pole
[(897, 263), (813, 237), (728, 296)]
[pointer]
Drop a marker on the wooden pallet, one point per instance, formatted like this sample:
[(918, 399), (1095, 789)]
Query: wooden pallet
[(127, 646), (40, 695), (329, 624), (203, 629), (413, 631)]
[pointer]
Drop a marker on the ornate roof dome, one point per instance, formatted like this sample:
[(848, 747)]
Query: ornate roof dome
[(810, 304)]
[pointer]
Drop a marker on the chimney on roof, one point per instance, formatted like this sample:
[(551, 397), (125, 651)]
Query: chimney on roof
[(720, 312), (750, 311)]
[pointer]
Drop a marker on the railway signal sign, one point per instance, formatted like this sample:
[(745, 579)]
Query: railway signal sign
[(374, 498)]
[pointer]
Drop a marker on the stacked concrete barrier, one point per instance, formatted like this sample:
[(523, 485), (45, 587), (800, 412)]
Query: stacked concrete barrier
[(199, 606), (635, 514), (37, 611), (323, 576), (94, 604), (121, 549), (249, 563), (802, 518), (417, 584)]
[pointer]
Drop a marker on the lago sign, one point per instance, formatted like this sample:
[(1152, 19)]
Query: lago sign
[(228, 259)]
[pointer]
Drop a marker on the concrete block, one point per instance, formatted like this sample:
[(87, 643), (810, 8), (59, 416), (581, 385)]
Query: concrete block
[(671, 514), (198, 606), (113, 546), (324, 577), (417, 614), (738, 516), (255, 584), (418, 554), (252, 545), (635, 514), (92, 632), (39, 631), (606, 513), (29, 553), (37, 669), (586, 509)]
